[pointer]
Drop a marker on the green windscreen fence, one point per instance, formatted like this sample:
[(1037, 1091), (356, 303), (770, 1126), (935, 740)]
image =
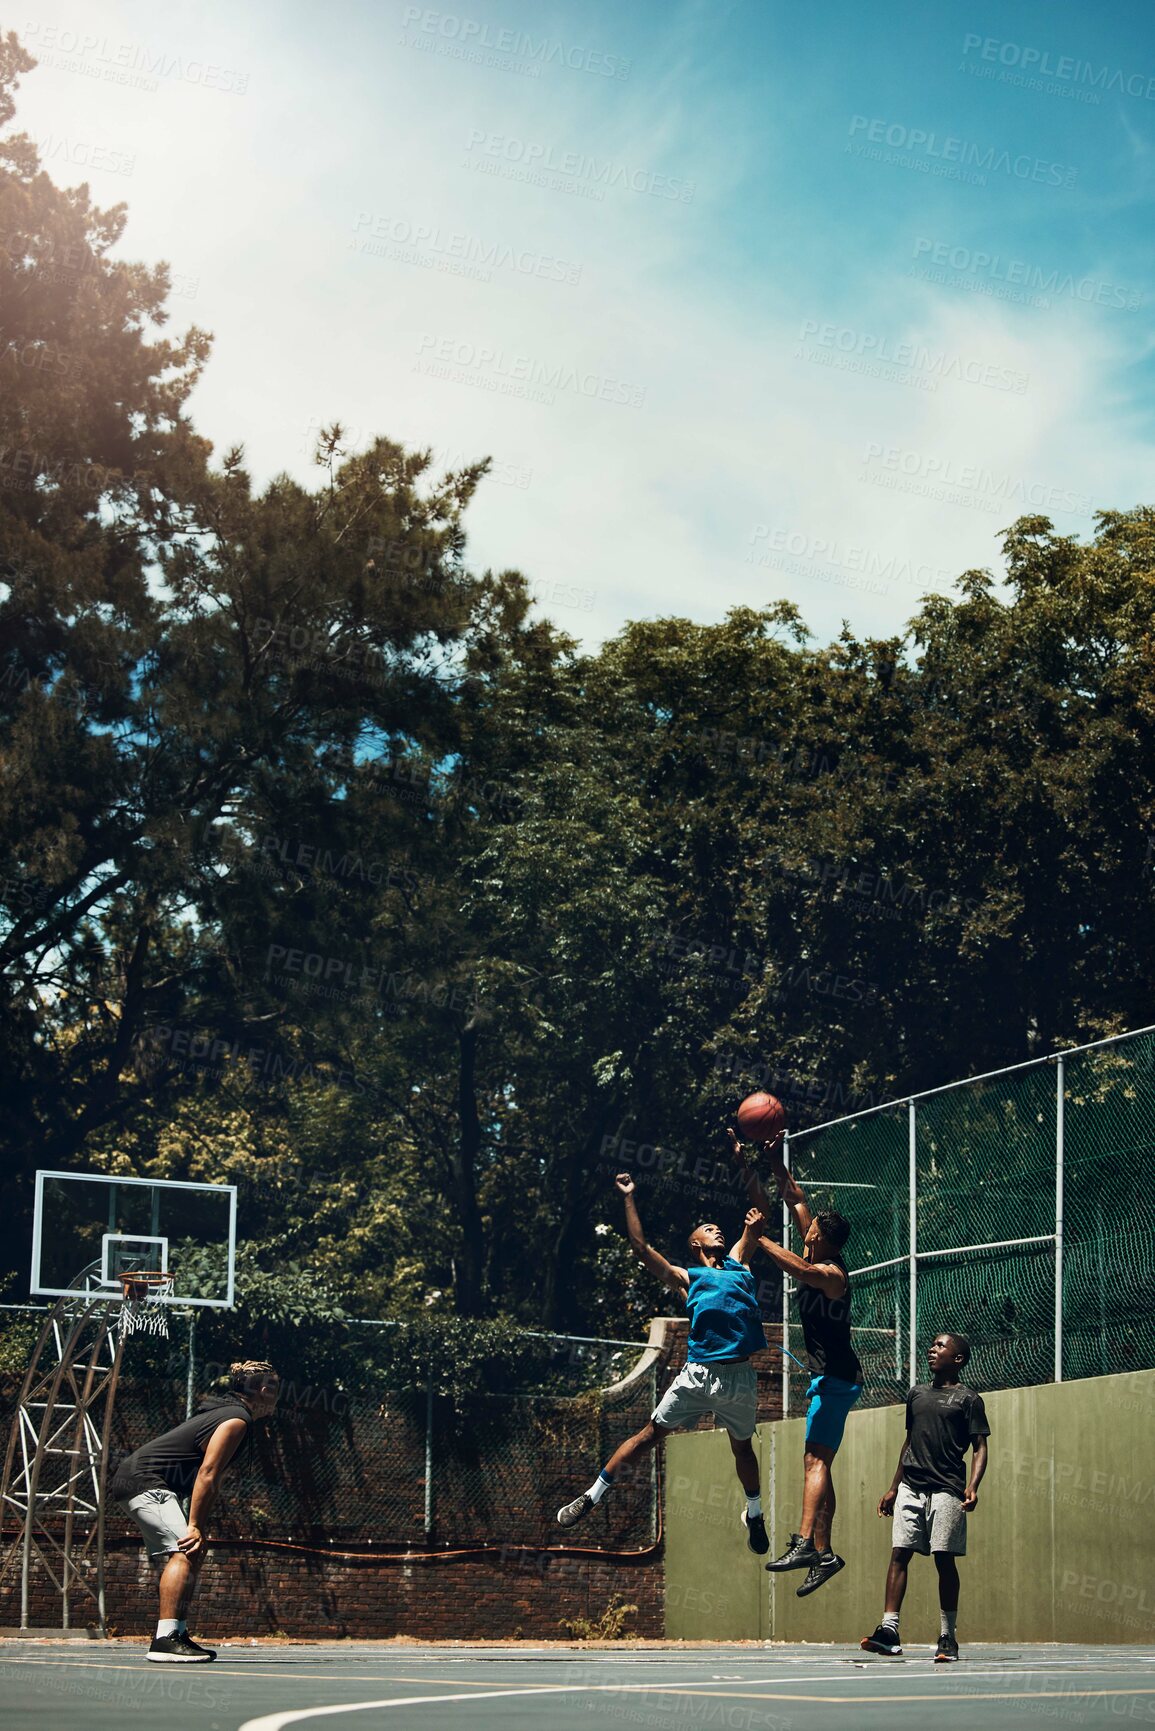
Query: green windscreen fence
[(1032, 1230)]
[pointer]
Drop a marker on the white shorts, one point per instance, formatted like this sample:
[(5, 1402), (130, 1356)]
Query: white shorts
[(729, 1391), (926, 1521), (161, 1519)]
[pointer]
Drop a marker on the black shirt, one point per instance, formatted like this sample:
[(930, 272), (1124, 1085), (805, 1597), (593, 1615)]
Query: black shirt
[(941, 1424), (826, 1331), (172, 1461)]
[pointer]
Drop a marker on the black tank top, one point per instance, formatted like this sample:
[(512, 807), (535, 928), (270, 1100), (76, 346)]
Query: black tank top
[(826, 1331), (172, 1461)]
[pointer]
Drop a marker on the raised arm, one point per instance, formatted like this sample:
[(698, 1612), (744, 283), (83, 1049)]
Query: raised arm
[(744, 1250), (789, 1190), (826, 1276), (675, 1278), (749, 1176), (222, 1446)]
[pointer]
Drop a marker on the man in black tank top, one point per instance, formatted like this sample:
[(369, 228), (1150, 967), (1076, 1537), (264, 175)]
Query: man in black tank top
[(835, 1372), (187, 1462)]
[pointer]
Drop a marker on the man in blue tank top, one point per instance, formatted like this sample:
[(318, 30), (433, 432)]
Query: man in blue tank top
[(725, 1329)]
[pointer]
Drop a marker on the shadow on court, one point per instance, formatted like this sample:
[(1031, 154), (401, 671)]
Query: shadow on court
[(362, 1686)]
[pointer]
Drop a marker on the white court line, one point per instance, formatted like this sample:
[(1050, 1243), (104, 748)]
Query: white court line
[(296, 1716)]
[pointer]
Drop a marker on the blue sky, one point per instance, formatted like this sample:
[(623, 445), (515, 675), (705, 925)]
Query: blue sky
[(746, 301)]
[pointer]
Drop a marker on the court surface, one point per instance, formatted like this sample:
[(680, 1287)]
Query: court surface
[(364, 1686)]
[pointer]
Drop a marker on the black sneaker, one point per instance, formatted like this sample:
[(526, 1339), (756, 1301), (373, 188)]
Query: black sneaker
[(800, 1555), (572, 1513), (946, 1653), (757, 1537), (173, 1650), (883, 1640), (821, 1571), (186, 1640)]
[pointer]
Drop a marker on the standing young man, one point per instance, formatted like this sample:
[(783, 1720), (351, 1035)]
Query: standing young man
[(930, 1495), (188, 1461), (835, 1372), (725, 1329)]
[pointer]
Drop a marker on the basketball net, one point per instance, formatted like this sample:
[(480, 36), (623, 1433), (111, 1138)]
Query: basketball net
[(144, 1310)]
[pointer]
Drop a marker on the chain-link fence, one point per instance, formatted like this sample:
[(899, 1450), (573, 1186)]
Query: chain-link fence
[(1014, 1208), (400, 1464)]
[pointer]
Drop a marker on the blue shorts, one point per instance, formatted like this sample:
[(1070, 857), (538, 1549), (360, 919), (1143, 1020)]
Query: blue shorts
[(830, 1401)]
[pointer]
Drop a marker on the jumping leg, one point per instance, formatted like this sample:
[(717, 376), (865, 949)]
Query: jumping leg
[(817, 1489)]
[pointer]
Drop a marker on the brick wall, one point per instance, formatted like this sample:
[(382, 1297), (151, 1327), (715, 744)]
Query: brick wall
[(254, 1590), (467, 1598)]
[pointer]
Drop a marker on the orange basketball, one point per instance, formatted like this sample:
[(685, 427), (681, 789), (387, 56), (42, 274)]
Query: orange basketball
[(761, 1117)]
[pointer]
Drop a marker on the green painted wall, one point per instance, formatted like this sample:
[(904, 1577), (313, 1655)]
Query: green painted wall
[(1061, 1546)]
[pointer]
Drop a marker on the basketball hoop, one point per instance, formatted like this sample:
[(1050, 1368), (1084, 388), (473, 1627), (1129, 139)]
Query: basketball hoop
[(144, 1310)]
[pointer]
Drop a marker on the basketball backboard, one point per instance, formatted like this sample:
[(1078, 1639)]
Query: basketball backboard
[(88, 1229)]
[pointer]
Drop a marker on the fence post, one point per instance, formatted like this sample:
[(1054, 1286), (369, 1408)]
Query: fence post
[(913, 1194), (428, 1451), (1060, 1091), (190, 1379), (785, 1291)]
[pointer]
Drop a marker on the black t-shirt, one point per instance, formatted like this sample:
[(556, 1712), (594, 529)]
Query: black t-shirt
[(826, 1331), (941, 1424), (172, 1461)]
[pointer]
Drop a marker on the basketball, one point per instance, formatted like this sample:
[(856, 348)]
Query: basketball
[(761, 1117)]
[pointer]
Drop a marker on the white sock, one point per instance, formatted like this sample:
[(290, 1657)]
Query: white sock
[(599, 1488), (181, 1626), (947, 1621), (166, 1626), (890, 1621), (753, 1505)]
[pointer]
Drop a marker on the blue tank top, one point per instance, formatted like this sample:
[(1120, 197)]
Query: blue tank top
[(725, 1322)]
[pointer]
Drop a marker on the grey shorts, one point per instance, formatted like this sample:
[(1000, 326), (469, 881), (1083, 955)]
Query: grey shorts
[(161, 1519), (929, 1521), (729, 1391)]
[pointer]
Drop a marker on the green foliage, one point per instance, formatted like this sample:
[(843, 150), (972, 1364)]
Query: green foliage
[(18, 1335)]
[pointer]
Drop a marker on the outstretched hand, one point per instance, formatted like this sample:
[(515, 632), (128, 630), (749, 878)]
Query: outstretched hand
[(624, 1183), (755, 1220), (772, 1146)]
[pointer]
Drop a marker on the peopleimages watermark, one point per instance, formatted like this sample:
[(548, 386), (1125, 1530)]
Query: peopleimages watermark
[(1013, 278), (136, 64), (1033, 67), (512, 50), (793, 550), (570, 171), (461, 254), (904, 362), (953, 158), (494, 369), (968, 484), (196, 1051), (54, 147)]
